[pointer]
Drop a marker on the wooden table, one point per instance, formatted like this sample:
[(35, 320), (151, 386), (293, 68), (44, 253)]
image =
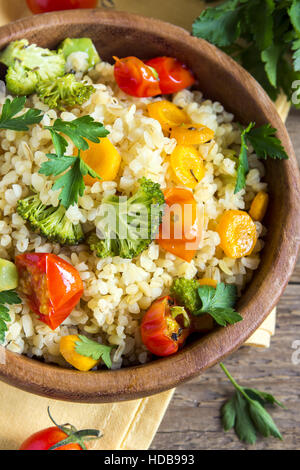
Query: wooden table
[(193, 417)]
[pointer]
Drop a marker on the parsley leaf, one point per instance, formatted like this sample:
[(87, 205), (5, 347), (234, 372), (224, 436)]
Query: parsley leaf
[(243, 166), (219, 25), (73, 168), (89, 348), (9, 297), (77, 130), (71, 182), (219, 303), (245, 412), (264, 144), (11, 108), (263, 35)]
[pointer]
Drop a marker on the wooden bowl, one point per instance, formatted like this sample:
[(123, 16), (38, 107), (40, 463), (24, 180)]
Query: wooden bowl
[(221, 79)]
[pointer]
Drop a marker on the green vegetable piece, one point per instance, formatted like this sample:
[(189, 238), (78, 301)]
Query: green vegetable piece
[(7, 297), (89, 348), (29, 65), (185, 292), (128, 226), (84, 45), (20, 81), (49, 221), (219, 303), (245, 412), (64, 92), (11, 108), (8, 275)]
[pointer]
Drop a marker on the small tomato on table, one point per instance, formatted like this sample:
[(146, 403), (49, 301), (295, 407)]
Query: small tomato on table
[(52, 286), (60, 437)]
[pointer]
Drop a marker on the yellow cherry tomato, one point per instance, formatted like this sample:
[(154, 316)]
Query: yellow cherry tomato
[(167, 114), (192, 134), (187, 165), (259, 206), (103, 158), (68, 351)]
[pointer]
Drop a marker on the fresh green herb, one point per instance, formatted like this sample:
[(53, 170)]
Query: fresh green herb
[(8, 297), (198, 299), (79, 131), (11, 108), (264, 144), (246, 413), (219, 302), (89, 348), (263, 35), (128, 225), (73, 168)]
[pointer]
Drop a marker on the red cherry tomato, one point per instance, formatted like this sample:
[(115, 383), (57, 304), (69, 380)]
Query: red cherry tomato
[(43, 6), (173, 74), (46, 438), (161, 333), (53, 286), (135, 78), (60, 437)]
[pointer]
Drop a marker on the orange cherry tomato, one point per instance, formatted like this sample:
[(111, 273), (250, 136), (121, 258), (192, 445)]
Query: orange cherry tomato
[(173, 74), (181, 228), (161, 333), (52, 286), (135, 78), (43, 6)]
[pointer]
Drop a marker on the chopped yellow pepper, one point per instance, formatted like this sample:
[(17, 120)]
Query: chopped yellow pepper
[(206, 281), (103, 158), (167, 114), (187, 165), (67, 350), (192, 134), (259, 206)]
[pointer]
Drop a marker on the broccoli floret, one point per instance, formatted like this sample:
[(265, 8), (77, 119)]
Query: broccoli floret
[(20, 81), (185, 292), (50, 221), (80, 54), (128, 226), (64, 92), (30, 62)]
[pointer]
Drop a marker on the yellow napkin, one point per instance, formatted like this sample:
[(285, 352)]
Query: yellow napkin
[(130, 425)]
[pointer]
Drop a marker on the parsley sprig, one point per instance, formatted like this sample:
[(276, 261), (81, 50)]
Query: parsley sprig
[(8, 297), (219, 302), (265, 144), (245, 412), (89, 348), (72, 169), (262, 35), (10, 120)]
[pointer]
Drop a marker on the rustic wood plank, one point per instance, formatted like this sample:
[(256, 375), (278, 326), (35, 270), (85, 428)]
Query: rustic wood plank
[(193, 418)]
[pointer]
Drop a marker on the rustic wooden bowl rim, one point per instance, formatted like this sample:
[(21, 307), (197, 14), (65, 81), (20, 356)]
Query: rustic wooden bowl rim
[(162, 374)]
